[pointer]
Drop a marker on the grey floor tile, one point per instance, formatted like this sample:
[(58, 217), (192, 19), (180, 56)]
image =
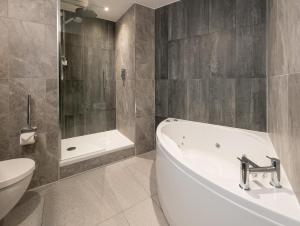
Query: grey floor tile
[(146, 213), (118, 220), (28, 212)]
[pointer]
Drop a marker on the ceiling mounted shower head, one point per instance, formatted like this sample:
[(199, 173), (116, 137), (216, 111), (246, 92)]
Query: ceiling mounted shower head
[(84, 12)]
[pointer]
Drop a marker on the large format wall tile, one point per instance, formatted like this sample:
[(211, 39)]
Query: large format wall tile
[(196, 16), (161, 43), (292, 156), (249, 12), (4, 50), (222, 103), (145, 130), (251, 51), (251, 103), (176, 59), (34, 10), (278, 113), (145, 43), (4, 119), (125, 108), (3, 7), (177, 99), (222, 60), (161, 98), (125, 45), (293, 23), (221, 15), (176, 21), (209, 52), (198, 100), (26, 42), (145, 100), (284, 84), (197, 56)]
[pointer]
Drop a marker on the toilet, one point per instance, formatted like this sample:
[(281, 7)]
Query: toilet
[(15, 176)]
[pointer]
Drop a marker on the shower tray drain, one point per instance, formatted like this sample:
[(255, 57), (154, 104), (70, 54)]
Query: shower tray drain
[(71, 148)]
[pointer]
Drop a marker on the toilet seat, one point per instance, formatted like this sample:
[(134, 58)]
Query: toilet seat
[(15, 170)]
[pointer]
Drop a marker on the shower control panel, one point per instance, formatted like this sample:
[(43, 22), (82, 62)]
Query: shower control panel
[(123, 74)]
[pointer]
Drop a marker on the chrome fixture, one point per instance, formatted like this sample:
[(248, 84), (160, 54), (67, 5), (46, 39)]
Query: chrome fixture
[(28, 128), (249, 167)]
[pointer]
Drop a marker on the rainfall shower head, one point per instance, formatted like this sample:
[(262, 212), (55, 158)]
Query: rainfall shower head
[(74, 19), (84, 12)]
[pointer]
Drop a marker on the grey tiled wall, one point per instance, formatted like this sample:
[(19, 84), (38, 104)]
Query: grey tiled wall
[(28, 64), (88, 89), (135, 102), (210, 62), (283, 70)]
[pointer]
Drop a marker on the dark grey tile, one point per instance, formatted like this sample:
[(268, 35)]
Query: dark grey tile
[(176, 59), (222, 105), (249, 12), (161, 43), (197, 16), (251, 51), (125, 108), (198, 100), (221, 15), (74, 56), (177, 99), (292, 157), (34, 10), (145, 130), (96, 33), (145, 43), (145, 97), (197, 56), (73, 97), (251, 103), (222, 60), (4, 51), (278, 114), (158, 120), (3, 8), (161, 98), (176, 21), (110, 94)]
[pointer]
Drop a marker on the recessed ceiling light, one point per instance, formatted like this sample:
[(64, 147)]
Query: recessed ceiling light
[(106, 9)]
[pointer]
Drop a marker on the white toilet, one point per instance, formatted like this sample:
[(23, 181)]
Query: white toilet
[(15, 176)]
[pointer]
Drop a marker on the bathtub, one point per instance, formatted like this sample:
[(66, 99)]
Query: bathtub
[(198, 177)]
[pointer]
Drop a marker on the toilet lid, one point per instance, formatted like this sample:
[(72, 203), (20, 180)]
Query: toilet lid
[(15, 170)]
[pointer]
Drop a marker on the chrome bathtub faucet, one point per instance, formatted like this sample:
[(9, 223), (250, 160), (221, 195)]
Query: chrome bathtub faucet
[(249, 167)]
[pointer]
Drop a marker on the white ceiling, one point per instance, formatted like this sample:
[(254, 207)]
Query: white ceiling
[(116, 7)]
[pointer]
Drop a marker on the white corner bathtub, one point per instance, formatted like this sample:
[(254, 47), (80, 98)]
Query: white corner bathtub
[(198, 178)]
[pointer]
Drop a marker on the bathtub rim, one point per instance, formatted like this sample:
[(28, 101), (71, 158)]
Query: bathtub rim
[(237, 199)]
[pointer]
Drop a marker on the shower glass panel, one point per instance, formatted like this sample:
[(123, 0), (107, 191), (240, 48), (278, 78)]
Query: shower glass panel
[(87, 81)]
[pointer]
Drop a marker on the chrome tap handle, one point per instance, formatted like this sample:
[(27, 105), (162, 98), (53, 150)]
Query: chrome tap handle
[(275, 179), (244, 174)]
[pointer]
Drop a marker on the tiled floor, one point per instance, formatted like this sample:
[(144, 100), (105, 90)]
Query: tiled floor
[(121, 194)]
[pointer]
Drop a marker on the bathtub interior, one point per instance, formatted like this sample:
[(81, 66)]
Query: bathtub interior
[(210, 143), (85, 147)]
